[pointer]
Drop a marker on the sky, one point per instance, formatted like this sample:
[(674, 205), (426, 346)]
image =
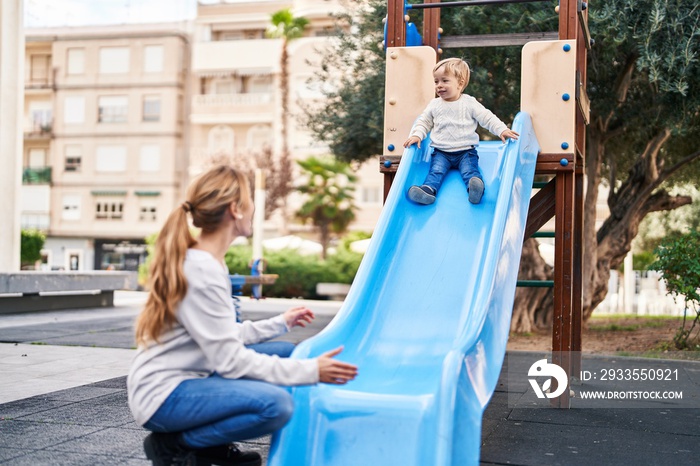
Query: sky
[(53, 13)]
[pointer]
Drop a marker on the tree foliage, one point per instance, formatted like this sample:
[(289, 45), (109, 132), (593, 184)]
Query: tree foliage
[(679, 264), (329, 197), (284, 25), (644, 83), (31, 244), (351, 119)]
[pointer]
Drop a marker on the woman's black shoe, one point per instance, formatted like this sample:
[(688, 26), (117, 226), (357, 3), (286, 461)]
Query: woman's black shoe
[(227, 455), (164, 450)]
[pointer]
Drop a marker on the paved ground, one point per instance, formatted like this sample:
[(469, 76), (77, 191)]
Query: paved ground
[(63, 399)]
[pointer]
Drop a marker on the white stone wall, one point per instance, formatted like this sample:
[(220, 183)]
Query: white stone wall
[(11, 102)]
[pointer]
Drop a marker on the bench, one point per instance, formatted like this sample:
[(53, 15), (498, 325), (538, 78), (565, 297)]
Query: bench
[(51, 291), (336, 291)]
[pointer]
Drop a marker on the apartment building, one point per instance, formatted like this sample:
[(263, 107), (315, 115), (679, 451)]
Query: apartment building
[(37, 127), (236, 96), (118, 119), (106, 129)]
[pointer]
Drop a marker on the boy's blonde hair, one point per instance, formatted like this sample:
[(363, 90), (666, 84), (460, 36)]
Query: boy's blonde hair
[(456, 67)]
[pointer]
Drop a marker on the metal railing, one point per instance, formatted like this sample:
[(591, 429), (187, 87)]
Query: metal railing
[(40, 175), (230, 100)]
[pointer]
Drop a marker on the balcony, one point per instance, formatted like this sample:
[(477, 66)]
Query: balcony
[(38, 83), (40, 175), (39, 126), (232, 108), (35, 221)]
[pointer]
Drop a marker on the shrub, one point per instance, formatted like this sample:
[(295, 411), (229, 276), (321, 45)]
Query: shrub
[(679, 264), (32, 242)]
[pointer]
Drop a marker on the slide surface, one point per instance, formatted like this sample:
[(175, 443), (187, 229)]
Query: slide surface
[(426, 321)]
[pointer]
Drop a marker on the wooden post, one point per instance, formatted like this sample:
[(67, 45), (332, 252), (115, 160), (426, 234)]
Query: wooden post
[(563, 278), (568, 262), (395, 24), (431, 26)]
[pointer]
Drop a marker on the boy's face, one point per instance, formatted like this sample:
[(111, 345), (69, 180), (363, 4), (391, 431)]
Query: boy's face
[(447, 87)]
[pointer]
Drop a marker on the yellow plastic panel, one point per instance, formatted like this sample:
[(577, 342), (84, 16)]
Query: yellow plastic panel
[(548, 78), (409, 88)]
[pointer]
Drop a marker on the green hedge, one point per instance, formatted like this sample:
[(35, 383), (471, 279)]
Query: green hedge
[(298, 274)]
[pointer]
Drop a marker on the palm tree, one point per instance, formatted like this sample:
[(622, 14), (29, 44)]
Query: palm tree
[(284, 25), (330, 198)]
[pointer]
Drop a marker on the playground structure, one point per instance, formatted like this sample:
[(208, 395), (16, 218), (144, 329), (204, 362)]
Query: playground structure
[(427, 317), (553, 93)]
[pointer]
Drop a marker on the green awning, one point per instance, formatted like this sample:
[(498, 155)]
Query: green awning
[(147, 193), (108, 193)]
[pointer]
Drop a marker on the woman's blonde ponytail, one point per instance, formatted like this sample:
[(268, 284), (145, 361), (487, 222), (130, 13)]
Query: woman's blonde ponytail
[(167, 278), (209, 198)]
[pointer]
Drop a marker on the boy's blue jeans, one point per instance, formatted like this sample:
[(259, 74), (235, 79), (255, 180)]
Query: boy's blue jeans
[(217, 411), (467, 161)]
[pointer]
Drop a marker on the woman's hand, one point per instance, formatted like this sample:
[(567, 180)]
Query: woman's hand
[(298, 316), (333, 371)]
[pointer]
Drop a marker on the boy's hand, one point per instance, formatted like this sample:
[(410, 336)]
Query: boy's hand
[(412, 140), (509, 133)]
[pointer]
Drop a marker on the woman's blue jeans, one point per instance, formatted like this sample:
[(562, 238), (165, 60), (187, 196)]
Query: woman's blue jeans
[(217, 411), (467, 161)]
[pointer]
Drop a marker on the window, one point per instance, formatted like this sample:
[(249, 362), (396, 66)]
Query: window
[(39, 68), (42, 117), (37, 158), (149, 160), (260, 84), (109, 210), (112, 109), (148, 213), (372, 195), (73, 158), (226, 86), (45, 259), (151, 107), (153, 59), (70, 207), (76, 61), (325, 32), (73, 259), (110, 159), (74, 110), (259, 136), (114, 60), (231, 35), (221, 140)]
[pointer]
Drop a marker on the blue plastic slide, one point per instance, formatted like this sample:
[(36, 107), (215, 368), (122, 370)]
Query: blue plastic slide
[(426, 321)]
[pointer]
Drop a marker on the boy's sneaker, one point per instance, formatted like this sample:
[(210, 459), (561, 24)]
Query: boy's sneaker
[(227, 455), (475, 190), (165, 450), (422, 194)]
